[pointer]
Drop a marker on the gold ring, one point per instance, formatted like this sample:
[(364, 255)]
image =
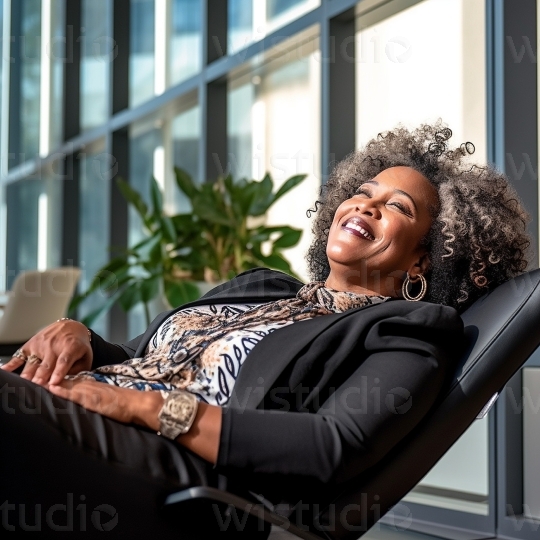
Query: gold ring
[(33, 359), (19, 354)]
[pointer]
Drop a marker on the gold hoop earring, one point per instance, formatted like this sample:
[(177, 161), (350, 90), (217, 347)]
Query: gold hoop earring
[(405, 289)]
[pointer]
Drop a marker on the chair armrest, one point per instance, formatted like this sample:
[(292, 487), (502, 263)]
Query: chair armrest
[(228, 500)]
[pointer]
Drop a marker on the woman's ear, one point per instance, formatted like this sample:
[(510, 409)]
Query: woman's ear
[(420, 266)]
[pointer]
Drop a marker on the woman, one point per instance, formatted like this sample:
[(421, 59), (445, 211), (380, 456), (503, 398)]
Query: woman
[(319, 399)]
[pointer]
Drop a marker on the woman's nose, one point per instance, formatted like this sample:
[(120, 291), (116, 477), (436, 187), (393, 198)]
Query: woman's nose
[(369, 207)]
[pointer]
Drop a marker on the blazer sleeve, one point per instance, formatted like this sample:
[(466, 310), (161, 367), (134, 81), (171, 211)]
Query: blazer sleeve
[(105, 353), (403, 364)]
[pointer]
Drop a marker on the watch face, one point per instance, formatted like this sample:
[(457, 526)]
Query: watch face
[(178, 413)]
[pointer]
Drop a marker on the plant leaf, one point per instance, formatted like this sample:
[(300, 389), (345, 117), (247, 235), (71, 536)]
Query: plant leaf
[(276, 261), (210, 212), (263, 198), (289, 184), (288, 239), (157, 199), (89, 319), (169, 230), (181, 292), (130, 296), (133, 197), (150, 288), (185, 182)]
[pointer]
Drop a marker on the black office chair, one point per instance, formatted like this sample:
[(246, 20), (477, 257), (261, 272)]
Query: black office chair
[(503, 330)]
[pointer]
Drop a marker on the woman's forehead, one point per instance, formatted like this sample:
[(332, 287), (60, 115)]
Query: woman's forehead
[(408, 180)]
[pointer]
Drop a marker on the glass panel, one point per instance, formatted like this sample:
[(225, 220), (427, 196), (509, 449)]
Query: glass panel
[(25, 115), (240, 105), (185, 39), (142, 37), (146, 154), (240, 21), (2, 60), (33, 224), (57, 51), (186, 134), (95, 51), (394, 85), (93, 225), (278, 8), (531, 442), (50, 217), (22, 233), (251, 20), (274, 125)]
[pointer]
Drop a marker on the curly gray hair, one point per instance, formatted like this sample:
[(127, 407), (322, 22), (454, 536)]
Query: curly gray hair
[(478, 237)]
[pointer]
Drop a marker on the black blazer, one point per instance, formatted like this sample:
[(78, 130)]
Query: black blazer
[(318, 402)]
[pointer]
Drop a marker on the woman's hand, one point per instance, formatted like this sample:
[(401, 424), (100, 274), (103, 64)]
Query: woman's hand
[(142, 408), (63, 347), (122, 404)]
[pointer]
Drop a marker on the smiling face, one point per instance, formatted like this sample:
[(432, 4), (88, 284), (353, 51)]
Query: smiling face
[(376, 235)]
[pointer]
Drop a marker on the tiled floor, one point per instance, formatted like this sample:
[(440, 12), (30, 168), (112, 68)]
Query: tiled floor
[(379, 532)]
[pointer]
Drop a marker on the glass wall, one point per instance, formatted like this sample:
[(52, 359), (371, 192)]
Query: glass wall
[(165, 45), (240, 21), (405, 74), (25, 82), (96, 51), (34, 220), (424, 63), (531, 442), (2, 61), (142, 57), (185, 40), (94, 186), (251, 20), (416, 61), (146, 160), (274, 126), (57, 56), (185, 140)]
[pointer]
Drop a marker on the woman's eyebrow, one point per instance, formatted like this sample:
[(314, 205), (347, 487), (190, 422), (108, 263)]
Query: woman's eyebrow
[(400, 191), (406, 195)]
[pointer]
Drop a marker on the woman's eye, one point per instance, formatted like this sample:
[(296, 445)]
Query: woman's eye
[(402, 208)]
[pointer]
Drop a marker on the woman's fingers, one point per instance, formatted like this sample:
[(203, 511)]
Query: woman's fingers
[(95, 396), (60, 348), (12, 364), (45, 369), (30, 367)]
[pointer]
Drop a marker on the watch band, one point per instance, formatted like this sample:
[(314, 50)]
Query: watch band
[(177, 413)]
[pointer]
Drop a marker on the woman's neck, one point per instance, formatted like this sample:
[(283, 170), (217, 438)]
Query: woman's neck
[(344, 283)]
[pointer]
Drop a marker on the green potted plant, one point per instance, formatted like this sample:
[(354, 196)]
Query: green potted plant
[(218, 239)]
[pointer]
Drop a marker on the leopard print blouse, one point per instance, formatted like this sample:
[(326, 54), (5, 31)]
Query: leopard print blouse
[(202, 348)]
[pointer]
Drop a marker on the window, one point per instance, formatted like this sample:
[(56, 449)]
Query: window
[(142, 59), (94, 188), (251, 20), (25, 84), (96, 50), (420, 64), (273, 126)]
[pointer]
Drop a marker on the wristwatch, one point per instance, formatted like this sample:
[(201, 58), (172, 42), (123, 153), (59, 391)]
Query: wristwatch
[(177, 413)]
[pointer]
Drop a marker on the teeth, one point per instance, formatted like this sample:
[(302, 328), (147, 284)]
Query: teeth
[(362, 231)]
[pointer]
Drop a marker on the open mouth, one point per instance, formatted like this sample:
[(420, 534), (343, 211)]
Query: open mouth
[(358, 227)]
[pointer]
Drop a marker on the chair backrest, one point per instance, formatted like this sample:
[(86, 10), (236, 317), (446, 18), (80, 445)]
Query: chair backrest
[(36, 300), (503, 330)]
